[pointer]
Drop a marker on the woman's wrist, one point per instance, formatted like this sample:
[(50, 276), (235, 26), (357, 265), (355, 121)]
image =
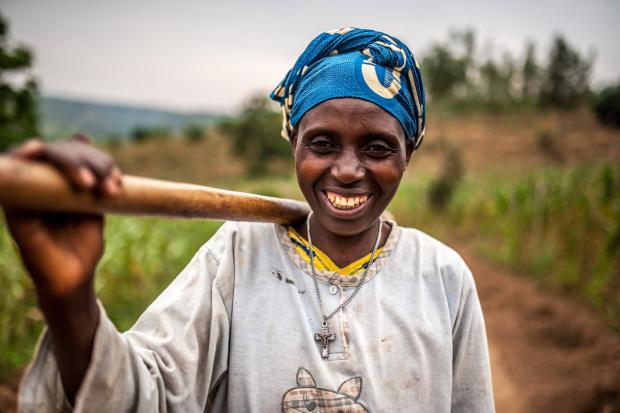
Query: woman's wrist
[(72, 313)]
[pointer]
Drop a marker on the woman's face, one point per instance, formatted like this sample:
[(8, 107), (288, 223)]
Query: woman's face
[(350, 156)]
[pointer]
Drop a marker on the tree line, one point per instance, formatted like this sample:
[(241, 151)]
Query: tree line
[(459, 72)]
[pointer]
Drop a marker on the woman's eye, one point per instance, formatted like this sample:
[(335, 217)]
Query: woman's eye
[(378, 150), (322, 145)]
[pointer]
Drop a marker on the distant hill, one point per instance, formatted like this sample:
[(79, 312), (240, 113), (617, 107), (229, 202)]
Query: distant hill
[(61, 117)]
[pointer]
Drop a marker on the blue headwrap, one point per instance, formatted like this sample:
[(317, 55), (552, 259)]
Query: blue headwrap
[(355, 63)]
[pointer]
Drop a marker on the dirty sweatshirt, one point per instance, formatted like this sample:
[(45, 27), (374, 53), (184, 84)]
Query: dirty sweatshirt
[(235, 332)]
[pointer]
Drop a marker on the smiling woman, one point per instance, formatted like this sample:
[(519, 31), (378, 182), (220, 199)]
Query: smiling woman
[(342, 312), (350, 156)]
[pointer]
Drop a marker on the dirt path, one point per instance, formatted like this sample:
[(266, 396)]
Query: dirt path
[(548, 353), (8, 395)]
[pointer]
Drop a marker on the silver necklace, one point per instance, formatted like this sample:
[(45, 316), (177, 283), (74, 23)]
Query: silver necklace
[(325, 335)]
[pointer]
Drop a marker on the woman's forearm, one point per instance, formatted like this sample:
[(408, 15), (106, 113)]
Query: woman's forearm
[(72, 323)]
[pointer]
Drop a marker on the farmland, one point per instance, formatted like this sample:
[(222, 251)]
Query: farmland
[(537, 193)]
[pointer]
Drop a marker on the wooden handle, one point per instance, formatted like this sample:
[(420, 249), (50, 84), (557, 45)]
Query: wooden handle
[(40, 187)]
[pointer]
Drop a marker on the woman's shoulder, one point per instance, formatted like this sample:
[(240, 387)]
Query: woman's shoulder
[(432, 256), (428, 245), (239, 234), (235, 228)]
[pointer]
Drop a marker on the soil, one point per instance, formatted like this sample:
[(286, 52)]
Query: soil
[(548, 352), (8, 395)]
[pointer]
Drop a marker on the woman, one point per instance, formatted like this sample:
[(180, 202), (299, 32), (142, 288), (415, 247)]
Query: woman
[(342, 312)]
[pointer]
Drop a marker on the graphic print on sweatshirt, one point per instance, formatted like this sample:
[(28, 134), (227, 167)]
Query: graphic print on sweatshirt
[(306, 397)]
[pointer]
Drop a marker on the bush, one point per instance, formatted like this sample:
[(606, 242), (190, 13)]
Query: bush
[(193, 133), (255, 135), (549, 147), (145, 133), (607, 105), (441, 191)]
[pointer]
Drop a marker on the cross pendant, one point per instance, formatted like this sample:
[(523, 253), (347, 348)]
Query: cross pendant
[(324, 335)]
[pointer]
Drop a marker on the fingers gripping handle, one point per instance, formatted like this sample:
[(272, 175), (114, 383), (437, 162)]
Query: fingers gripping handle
[(39, 187)]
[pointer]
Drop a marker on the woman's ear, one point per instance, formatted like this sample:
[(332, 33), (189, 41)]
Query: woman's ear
[(409, 148)]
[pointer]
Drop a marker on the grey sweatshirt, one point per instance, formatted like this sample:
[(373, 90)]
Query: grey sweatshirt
[(235, 331)]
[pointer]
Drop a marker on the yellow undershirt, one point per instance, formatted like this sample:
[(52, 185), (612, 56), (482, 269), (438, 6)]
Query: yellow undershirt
[(322, 261)]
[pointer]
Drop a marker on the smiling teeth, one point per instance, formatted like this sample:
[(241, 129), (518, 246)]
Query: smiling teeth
[(342, 202)]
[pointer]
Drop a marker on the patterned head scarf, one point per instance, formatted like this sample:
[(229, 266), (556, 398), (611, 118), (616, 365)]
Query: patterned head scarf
[(355, 63)]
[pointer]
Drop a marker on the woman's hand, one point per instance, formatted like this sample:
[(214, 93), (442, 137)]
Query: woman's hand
[(61, 251)]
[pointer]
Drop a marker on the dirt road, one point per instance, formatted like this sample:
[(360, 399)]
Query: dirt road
[(548, 353)]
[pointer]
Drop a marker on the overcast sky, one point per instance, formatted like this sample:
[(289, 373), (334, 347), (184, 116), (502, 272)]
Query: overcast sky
[(211, 55)]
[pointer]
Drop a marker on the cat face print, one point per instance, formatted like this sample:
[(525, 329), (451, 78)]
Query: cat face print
[(306, 397)]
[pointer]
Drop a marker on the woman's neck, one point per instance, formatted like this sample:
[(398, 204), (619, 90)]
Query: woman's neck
[(343, 250)]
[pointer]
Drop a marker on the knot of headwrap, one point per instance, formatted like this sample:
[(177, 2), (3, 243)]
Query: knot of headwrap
[(355, 63)]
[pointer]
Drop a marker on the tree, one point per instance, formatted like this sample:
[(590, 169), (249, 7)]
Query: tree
[(18, 113), (193, 133), (530, 74), (607, 105), (146, 133), (444, 72), (448, 67), (565, 81), (256, 135), (464, 40), (496, 82)]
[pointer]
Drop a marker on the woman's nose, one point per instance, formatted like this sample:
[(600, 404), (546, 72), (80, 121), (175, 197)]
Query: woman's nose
[(348, 168)]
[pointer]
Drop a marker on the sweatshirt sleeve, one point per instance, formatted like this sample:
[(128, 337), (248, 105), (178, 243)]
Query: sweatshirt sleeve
[(173, 358), (472, 389)]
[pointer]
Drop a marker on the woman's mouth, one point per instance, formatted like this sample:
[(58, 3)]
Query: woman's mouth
[(340, 202)]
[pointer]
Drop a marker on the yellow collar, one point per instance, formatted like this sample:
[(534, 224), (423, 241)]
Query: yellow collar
[(322, 261)]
